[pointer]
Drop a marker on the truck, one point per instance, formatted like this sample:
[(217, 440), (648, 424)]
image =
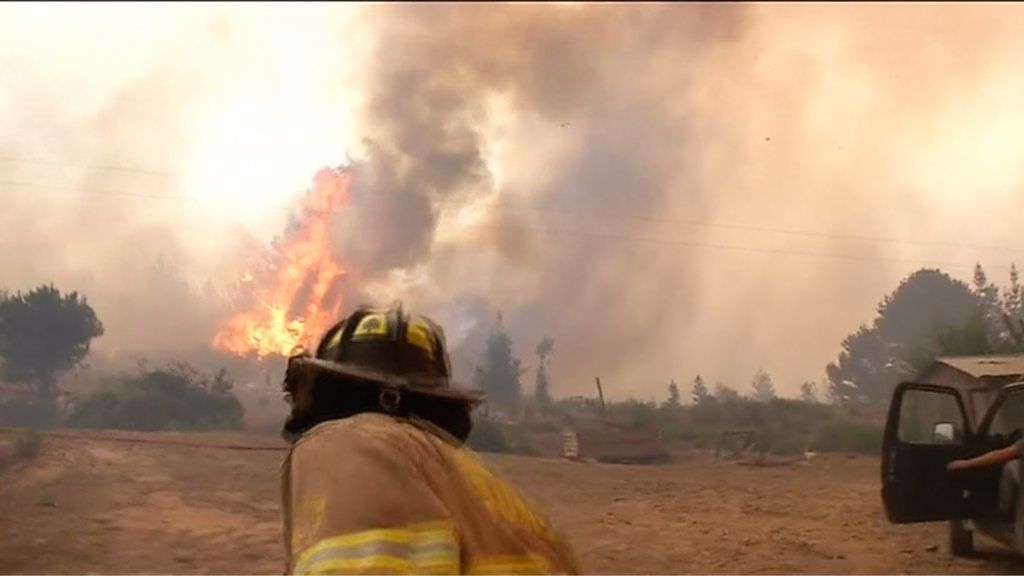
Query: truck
[(930, 424)]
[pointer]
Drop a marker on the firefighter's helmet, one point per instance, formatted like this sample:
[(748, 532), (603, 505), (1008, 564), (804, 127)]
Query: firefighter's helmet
[(386, 347)]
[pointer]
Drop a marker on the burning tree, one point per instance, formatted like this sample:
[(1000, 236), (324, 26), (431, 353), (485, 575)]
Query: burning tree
[(296, 294)]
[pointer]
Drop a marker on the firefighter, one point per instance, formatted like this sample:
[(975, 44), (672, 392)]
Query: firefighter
[(378, 480)]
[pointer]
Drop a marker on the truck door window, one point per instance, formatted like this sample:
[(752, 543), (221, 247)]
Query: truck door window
[(1009, 417), (927, 417)]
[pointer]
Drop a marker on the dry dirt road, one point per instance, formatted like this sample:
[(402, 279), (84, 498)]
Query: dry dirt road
[(107, 503)]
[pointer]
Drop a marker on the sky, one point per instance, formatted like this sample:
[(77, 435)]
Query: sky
[(664, 190)]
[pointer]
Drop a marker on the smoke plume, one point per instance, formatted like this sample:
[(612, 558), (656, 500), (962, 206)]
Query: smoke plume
[(665, 190)]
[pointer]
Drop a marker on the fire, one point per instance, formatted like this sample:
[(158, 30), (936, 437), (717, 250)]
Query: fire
[(296, 296)]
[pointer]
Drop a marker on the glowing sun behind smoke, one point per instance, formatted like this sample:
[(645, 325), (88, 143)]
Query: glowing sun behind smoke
[(296, 296)]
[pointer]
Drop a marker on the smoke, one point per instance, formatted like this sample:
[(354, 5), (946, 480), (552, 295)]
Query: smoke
[(665, 190), (449, 96), (552, 162)]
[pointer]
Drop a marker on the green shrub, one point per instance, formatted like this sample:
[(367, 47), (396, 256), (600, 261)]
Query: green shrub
[(849, 436), (28, 413), (487, 436), (174, 397), (633, 414)]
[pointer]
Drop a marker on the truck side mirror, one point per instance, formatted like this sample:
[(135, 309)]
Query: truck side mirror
[(944, 433)]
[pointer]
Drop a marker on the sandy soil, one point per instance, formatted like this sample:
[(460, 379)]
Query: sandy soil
[(107, 503)]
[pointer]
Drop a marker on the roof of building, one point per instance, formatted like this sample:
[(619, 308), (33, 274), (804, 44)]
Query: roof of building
[(986, 366)]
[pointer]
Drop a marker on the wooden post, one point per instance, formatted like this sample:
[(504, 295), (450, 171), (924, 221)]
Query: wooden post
[(600, 393)]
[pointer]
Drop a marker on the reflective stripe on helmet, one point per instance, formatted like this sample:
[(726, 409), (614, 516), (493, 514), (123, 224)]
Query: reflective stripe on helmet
[(335, 340), (430, 548), (371, 326)]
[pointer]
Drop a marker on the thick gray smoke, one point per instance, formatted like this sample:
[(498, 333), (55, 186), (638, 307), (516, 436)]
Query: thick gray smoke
[(593, 81), (618, 129), (665, 190)]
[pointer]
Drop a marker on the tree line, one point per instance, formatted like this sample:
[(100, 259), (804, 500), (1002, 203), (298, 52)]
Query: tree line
[(44, 333), (929, 314)]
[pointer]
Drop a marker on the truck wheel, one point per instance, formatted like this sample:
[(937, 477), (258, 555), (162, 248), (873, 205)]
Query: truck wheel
[(961, 539)]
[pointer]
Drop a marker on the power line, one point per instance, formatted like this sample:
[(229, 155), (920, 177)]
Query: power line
[(729, 247), (507, 206), (550, 208), (93, 191), (99, 168), (589, 233), (767, 229)]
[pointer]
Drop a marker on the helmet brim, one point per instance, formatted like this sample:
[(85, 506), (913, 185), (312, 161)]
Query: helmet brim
[(428, 386)]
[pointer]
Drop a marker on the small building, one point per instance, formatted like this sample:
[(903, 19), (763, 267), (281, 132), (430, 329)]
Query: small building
[(978, 378)]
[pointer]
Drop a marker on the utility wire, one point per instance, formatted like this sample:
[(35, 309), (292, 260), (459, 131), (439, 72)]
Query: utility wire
[(595, 235), (93, 191), (128, 169), (734, 248), (550, 207), (544, 209)]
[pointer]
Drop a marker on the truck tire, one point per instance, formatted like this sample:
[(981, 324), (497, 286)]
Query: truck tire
[(961, 539)]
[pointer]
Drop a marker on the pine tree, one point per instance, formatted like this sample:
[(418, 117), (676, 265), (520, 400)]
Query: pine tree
[(988, 293), (541, 391), (673, 395), (700, 391), (1013, 301), (499, 375), (809, 392), (1013, 312), (764, 388)]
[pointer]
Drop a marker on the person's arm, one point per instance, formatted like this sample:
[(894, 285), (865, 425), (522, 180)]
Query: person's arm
[(1000, 456)]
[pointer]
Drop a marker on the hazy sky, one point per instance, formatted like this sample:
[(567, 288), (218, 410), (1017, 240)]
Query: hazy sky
[(665, 190)]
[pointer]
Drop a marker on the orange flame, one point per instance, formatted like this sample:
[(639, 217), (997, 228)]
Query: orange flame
[(300, 297)]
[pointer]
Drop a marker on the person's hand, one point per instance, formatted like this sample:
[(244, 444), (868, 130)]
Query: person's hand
[(956, 465)]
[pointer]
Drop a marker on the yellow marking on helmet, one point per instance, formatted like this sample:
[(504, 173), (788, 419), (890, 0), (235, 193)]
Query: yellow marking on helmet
[(419, 334), (371, 326), (335, 340)]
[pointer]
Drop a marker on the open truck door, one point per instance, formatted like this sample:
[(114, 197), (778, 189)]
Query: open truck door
[(927, 427)]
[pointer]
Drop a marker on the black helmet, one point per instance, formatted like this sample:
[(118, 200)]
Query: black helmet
[(402, 357)]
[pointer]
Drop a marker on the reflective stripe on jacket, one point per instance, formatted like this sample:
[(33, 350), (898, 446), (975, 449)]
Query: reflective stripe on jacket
[(374, 494)]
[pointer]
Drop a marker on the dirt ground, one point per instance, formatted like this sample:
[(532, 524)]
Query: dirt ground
[(158, 503)]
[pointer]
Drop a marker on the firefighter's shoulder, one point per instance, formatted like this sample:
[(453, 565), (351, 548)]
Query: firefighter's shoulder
[(355, 501), (369, 441)]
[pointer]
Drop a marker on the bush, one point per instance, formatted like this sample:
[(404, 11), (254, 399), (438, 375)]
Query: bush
[(25, 446), (633, 414), (849, 436), (28, 413), (487, 436), (175, 397)]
